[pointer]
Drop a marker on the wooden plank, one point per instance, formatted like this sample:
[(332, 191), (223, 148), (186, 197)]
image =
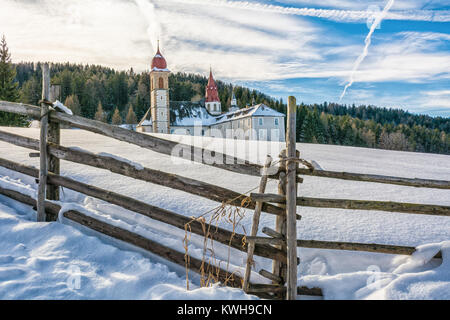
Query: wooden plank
[(196, 187), (410, 182), (255, 226), (54, 136), (51, 209), (268, 197), (270, 288), (278, 267), (291, 200), (366, 247), (272, 233), (223, 236), (265, 240), (387, 206), (305, 291), (266, 288), (269, 275), (154, 143), (43, 163), (375, 205)]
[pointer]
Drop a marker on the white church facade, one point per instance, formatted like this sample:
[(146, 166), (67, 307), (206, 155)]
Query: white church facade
[(205, 117)]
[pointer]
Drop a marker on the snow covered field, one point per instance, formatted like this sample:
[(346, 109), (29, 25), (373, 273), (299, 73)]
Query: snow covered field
[(40, 260)]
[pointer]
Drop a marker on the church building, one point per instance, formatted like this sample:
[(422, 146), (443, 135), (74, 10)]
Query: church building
[(205, 117)]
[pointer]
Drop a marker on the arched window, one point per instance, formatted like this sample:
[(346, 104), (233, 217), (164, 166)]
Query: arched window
[(161, 83)]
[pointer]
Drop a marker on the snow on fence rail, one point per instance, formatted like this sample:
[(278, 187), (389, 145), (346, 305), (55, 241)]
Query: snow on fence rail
[(278, 246)]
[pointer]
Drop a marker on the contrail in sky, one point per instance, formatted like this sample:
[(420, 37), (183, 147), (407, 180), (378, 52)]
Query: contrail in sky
[(332, 14), (154, 27), (368, 40)]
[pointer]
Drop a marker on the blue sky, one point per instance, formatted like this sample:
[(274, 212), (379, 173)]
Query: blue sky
[(282, 48)]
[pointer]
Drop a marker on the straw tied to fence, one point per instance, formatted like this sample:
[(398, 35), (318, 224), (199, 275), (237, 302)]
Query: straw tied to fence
[(281, 243)]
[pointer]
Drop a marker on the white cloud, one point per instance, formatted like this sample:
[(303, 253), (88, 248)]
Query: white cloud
[(438, 93), (105, 32), (242, 41)]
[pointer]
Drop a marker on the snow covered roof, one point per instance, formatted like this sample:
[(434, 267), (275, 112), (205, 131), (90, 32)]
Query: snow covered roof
[(160, 70), (188, 114), (259, 110)]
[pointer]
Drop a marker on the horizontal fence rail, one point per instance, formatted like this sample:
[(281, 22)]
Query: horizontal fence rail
[(427, 209), (347, 246), (411, 182), (220, 235), (257, 289), (173, 181)]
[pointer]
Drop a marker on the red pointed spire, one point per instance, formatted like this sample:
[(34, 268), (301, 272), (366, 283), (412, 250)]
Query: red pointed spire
[(158, 62), (212, 93)]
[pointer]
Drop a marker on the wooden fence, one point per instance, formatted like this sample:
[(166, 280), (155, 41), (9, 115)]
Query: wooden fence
[(281, 243)]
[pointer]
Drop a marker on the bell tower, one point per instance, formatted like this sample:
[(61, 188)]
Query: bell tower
[(159, 86), (212, 101)]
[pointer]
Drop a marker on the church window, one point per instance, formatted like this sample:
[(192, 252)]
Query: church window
[(261, 121), (161, 83), (276, 121)]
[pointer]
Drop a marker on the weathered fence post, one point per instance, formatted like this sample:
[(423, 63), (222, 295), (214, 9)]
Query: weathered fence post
[(256, 218), (54, 136), (291, 201), (41, 216), (279, 268)]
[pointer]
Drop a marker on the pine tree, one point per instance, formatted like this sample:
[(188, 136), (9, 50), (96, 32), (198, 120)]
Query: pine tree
[(74, 105), (131, 116), (100, 114), (308, 131), (116, 118), (8, 86), (31, 91)]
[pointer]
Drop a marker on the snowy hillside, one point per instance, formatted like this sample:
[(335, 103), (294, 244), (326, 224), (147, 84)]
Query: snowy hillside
[(37, 259)]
